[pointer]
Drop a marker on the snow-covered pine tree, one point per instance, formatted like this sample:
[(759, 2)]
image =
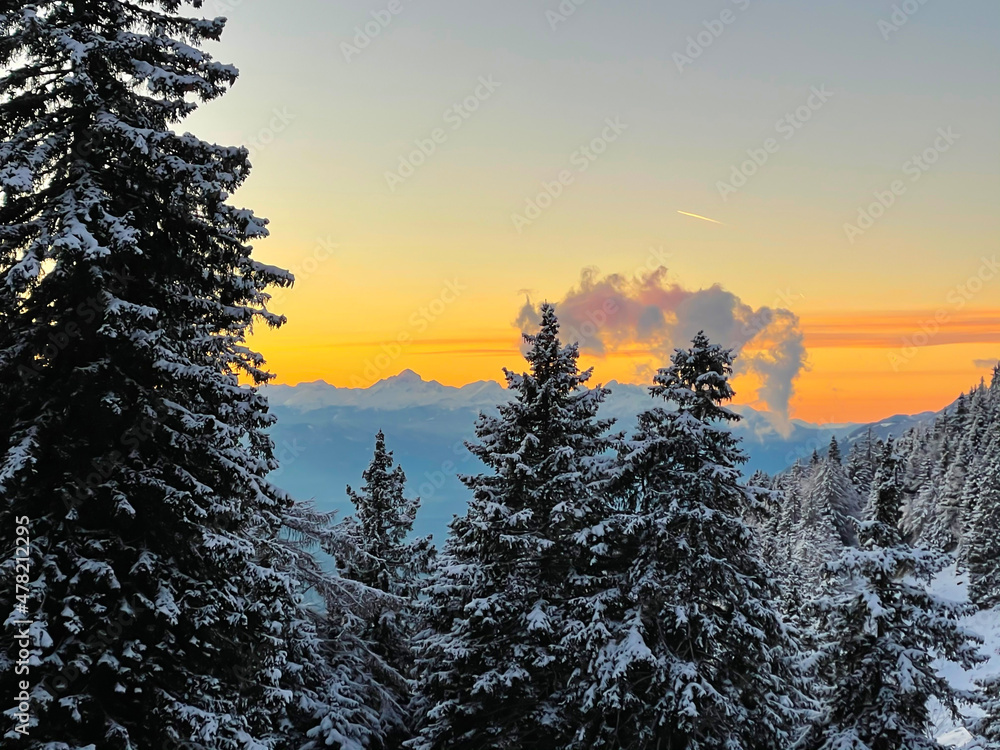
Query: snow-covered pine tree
[(987, 728), (515, 598), (828, 493), (925, 474), (982, 450), (781, 534), (939, 501), (699, 657), (127, 289), (861, 463), (982, 555), (343, 694), (981, 549), (767, 520), (782, 552), (382, 557), (815, 541), (821, 505), (383, 519), (942, 529), (833, 453), (789, 485), (886, 630)]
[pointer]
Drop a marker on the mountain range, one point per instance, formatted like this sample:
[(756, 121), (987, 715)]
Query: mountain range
[(324, 437)]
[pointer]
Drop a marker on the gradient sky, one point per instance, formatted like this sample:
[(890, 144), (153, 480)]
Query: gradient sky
[(437, 257)]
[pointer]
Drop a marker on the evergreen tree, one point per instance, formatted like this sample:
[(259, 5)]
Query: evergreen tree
[(779, 541), (382, 521), (127, 290), (886, 632), (515, 601), (926, 477), (699, 657), (820, 508), (343, 693), (982, 548), (791, 507), (944, 480), (768, 520), (828, 494), (942, 530), (987, 728), (380, 557), (861, 463), (814, 542), (833, 452)]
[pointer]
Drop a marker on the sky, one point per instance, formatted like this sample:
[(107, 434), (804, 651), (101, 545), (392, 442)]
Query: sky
[(431, 168)]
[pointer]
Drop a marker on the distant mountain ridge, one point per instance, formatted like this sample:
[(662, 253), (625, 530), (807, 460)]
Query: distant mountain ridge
[(324, 436), (405, 390)]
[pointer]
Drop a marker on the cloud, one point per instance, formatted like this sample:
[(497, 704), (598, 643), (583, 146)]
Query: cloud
[(985, 364), (648, 316)]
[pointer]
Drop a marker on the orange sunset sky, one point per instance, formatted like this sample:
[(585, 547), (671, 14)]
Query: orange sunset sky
[(426, 174)]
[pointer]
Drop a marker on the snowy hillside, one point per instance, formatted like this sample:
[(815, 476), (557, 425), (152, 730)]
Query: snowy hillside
[(951, 584), (925, 505)]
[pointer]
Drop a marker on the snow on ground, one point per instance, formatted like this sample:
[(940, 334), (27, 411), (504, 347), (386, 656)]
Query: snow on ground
[(951, 584)]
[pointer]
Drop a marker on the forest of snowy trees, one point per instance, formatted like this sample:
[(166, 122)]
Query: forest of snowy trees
[(602, 590)]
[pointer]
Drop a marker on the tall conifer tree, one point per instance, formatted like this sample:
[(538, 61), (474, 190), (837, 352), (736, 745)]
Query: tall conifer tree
[(127, 290), (517, 593), (699, 657), (379, 555), (981, 550), (829, 493), (861, 463)]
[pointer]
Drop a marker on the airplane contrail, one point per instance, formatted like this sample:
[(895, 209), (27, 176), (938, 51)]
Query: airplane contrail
[(703, 218)]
